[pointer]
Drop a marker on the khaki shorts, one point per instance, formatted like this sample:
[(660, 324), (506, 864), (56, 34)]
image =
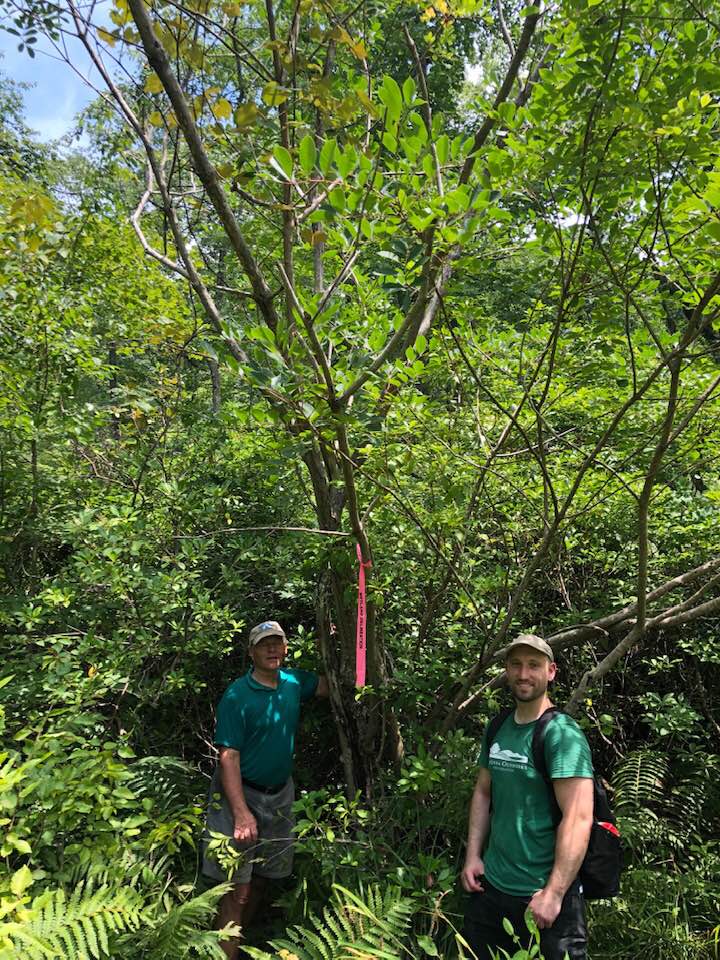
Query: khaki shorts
[(272, 855)]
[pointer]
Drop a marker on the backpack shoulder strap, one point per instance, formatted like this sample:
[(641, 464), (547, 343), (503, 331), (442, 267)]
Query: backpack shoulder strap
[(538, 742), (539, 759), (497, 721)]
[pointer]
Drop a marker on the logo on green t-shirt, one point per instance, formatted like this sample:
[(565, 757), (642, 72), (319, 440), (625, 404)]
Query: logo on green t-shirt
[(500, 757)]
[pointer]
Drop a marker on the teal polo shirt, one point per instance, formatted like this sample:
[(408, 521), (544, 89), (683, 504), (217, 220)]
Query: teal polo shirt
[(260, 723)]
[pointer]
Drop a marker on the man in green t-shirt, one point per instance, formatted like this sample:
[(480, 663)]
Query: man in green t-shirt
[(528, 863), (252, 790)]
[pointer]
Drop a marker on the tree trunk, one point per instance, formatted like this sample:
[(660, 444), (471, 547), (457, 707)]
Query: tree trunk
[(367, 728)]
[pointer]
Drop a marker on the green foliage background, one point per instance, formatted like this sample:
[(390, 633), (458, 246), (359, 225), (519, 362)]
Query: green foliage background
[(154, 505)]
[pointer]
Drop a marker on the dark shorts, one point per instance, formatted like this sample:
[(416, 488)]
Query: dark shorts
[(272, 855), (484, 929)]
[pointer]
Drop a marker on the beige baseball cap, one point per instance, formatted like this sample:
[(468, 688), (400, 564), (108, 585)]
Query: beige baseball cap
[(530, 640), (268, 628)]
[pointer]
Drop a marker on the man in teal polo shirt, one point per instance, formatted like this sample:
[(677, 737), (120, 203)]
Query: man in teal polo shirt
[(528, 862), (252, 790)]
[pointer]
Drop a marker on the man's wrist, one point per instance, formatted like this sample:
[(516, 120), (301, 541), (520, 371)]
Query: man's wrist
[(555, 890)]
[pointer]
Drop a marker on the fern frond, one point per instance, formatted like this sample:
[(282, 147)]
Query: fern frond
[(75, 927), (169, 781), (371, 925), (184, 929), (692, 789), (640, 780)]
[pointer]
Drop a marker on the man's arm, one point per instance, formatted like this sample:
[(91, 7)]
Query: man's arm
[(478, 826), (322, 687), (575, 799), (245, 825)]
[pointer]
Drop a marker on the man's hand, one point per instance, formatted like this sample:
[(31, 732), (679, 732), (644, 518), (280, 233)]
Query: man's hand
[(545, 906), (245, 828), (472, 871)]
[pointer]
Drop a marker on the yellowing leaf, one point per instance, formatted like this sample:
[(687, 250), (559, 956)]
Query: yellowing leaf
[(246, 114), (273, 94), (153, 84), (232, 9), (222, 109), (155, 118), (194, 55), (107, 37), (359, 50), (21, 880)]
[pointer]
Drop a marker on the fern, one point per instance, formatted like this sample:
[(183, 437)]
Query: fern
[(77, 927), (131, 868), (659, 807), (168, 781), (183, 930), (640, 781), (353, 927)]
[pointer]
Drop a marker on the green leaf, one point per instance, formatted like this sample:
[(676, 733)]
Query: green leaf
[(346, 161), (307, 154), (428, 946), (21, 880), (442, 148), (408, 90), (327, 155), (337, 198), (21, 845), (390, 95), (506, 111), (284, 162)]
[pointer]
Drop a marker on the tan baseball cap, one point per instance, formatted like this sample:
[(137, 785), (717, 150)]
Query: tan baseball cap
[(530, 640), (268, 628)]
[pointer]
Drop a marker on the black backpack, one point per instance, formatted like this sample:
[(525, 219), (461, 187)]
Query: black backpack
[(600, 870)]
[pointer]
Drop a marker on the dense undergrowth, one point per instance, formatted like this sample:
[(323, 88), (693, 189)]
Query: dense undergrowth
[(161, 475)]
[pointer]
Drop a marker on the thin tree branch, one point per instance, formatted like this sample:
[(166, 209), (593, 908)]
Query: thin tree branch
[(427, 113), (158, 60)]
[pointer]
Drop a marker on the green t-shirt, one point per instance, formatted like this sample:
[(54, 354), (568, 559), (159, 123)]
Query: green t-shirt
[(260, 722), (521, 850)]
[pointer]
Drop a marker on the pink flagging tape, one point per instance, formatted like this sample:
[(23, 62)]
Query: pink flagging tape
[(361, 632)]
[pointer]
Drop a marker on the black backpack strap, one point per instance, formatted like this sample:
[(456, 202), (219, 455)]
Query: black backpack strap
[(540, 760), (492, 731), (497, 721)]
